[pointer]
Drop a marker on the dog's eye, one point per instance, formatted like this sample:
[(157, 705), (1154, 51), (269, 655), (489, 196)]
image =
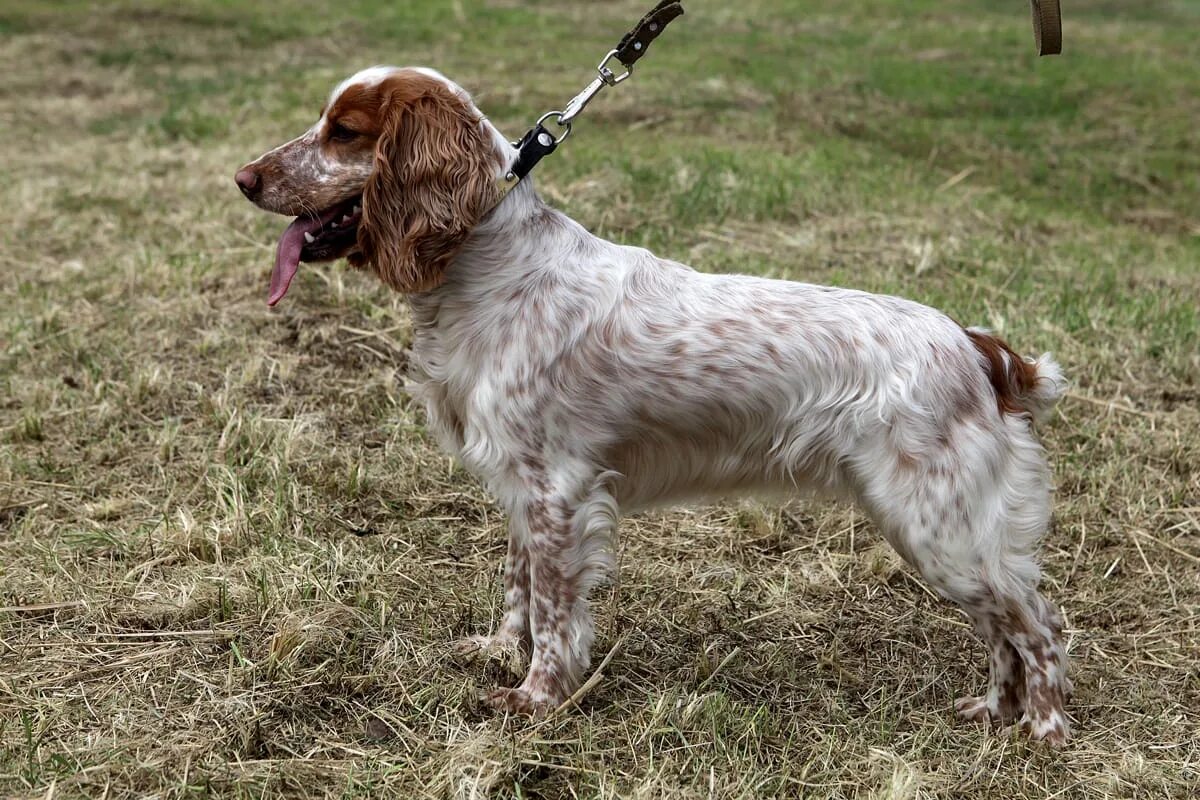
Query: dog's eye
[(340, 133)]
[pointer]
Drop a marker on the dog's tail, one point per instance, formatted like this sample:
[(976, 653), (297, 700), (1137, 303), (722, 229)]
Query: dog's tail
[(1022, 385)]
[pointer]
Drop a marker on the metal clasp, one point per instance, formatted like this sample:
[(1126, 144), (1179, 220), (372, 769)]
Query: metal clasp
[(580, 101), (605, 77), (607, 74), (561, 120)]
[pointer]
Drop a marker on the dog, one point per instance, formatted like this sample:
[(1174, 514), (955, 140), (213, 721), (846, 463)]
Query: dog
[(579, 379)]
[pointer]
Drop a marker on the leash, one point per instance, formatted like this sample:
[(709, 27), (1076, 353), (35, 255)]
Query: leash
[(1047, 26), (538, 142)]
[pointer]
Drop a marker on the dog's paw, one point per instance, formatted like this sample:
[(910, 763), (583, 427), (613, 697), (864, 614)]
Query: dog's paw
[(521, 701), (472, 648), (1001, 711), (974, 709), (506, 650), (977, 709), (1052, 729)]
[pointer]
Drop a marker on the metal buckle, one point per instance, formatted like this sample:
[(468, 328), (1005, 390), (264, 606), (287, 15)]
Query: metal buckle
[(607, 75), (579, 101), (560, 120)]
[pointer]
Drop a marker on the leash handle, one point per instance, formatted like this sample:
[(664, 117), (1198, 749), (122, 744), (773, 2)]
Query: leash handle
[(634, 44), (1047, 26)]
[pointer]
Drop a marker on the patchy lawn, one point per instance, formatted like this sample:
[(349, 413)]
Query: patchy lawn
[(232, 564)]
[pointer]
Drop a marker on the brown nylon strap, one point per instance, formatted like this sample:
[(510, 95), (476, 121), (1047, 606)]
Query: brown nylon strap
[(1047, 27), (633, 44)]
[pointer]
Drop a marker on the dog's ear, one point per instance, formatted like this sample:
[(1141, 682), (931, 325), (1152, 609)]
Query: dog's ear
[(432, 182)]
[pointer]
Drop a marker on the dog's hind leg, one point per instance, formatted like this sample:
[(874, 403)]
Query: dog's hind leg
[(969, 519)]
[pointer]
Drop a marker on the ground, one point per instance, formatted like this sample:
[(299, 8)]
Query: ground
[(232, 564)]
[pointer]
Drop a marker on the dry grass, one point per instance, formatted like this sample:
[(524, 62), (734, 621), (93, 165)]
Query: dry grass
[(231, 563)]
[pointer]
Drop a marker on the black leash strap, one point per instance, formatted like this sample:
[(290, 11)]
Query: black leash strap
[(538, 142)]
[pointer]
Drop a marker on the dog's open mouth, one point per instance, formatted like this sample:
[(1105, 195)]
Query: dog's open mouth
[(314, 237)]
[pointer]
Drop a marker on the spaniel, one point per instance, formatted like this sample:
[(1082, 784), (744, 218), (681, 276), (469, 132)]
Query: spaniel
[(579, 379)]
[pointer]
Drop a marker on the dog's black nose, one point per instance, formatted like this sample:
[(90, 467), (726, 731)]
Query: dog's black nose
[(249, 182)]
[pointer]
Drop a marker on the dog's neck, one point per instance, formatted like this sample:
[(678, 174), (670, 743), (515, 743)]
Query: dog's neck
[(512, 269), (517, 241)]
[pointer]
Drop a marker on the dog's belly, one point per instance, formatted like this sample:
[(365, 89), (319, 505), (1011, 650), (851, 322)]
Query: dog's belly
[(712, 458)]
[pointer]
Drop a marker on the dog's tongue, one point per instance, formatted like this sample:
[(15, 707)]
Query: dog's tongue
[(287, 256)]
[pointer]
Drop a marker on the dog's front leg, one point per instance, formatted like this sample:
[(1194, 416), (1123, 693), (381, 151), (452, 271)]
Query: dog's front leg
[(511, 640), (568, 549)]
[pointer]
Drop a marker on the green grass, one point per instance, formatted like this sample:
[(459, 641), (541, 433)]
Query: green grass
[(232, 563)]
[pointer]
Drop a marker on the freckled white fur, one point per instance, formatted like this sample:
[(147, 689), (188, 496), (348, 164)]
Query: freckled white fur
[(578, 378)]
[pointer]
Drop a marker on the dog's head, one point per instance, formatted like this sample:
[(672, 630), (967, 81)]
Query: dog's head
[(396, 172)]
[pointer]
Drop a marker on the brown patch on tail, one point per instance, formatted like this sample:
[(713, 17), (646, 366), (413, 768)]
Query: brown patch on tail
[(1012, 377)]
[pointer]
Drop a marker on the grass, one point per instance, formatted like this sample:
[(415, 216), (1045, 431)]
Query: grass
[(232, 564)]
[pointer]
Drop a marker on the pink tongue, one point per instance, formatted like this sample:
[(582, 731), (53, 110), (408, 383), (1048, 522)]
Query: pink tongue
[(287, 256)]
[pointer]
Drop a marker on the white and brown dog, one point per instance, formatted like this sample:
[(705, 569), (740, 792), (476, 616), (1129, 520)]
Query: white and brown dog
[(578, 378)]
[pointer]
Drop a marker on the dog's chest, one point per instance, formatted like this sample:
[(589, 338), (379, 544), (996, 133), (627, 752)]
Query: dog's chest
[(457, 381), (429, 382)]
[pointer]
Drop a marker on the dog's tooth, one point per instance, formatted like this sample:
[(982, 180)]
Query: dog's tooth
[(308, 237), (356, 209), (345, 218), (333, 224)]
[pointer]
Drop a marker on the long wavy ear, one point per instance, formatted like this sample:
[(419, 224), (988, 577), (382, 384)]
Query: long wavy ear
[(431, 184)]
